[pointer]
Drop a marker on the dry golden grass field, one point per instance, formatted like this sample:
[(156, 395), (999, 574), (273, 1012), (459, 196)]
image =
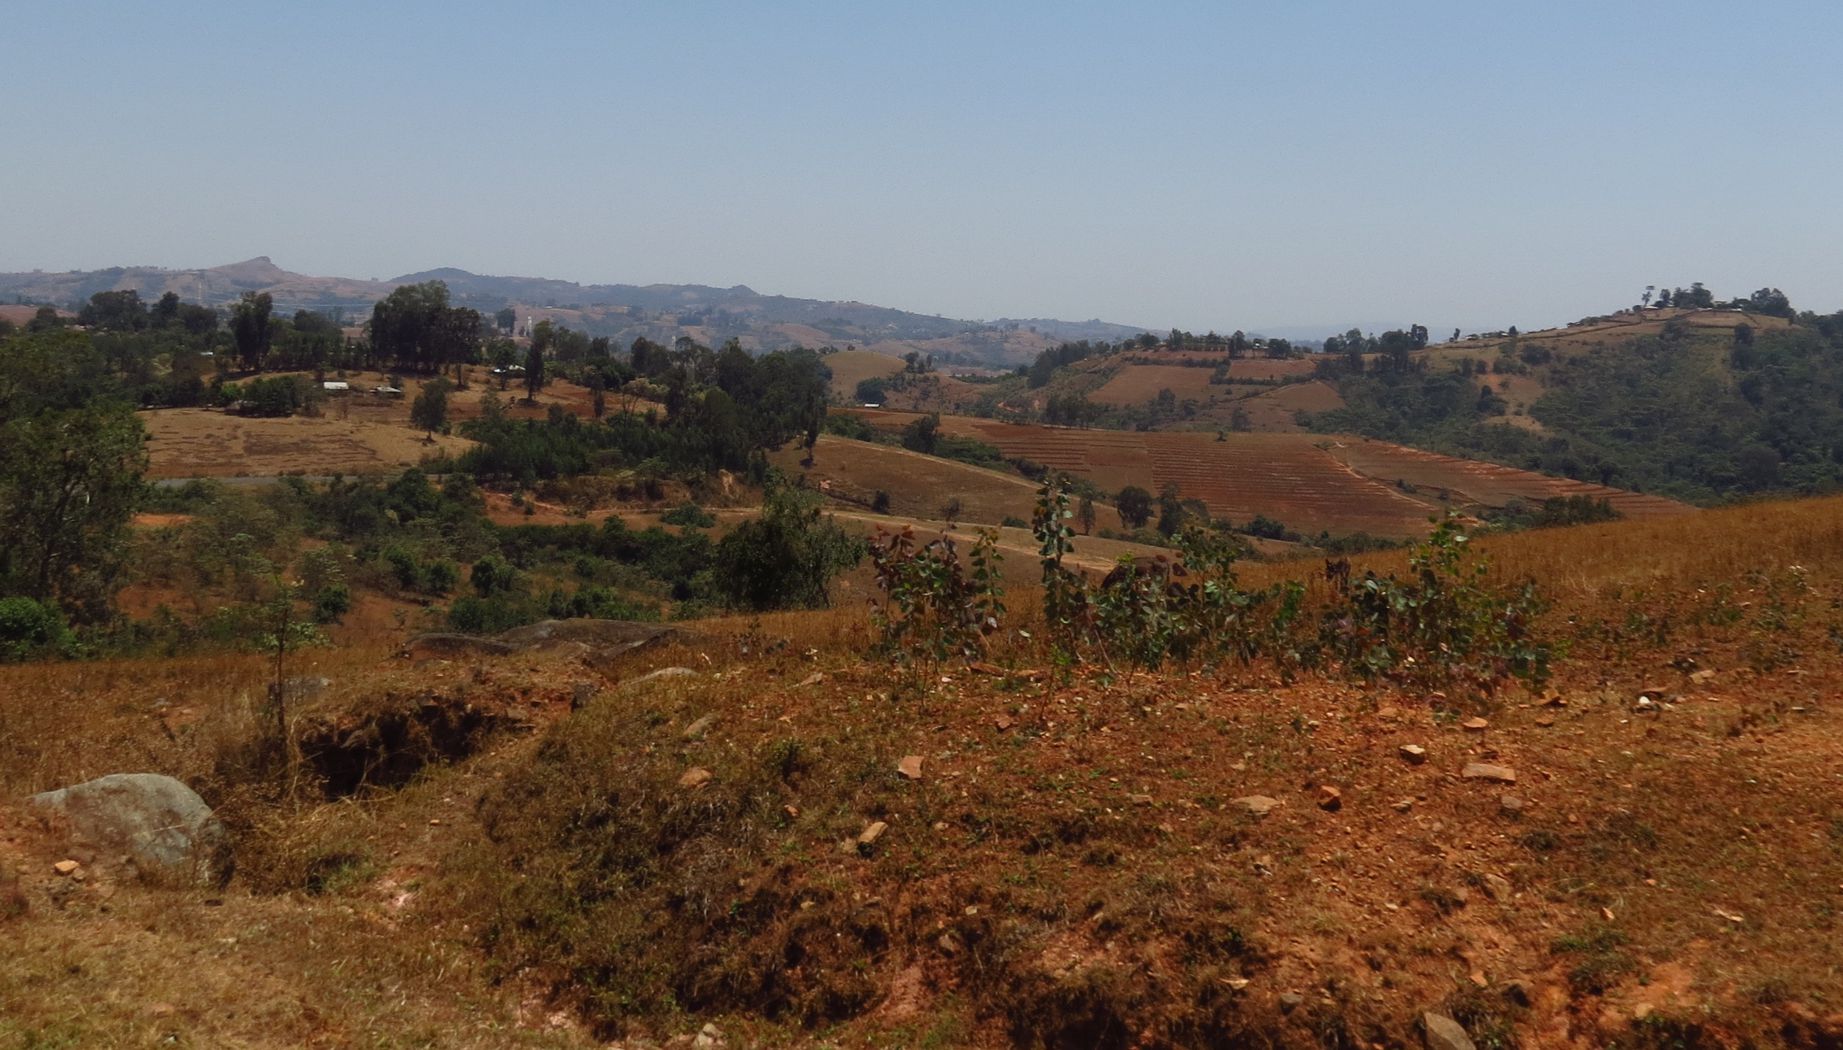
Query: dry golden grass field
[(356, 433), (1065, 862), (851, 367), (196, 443)]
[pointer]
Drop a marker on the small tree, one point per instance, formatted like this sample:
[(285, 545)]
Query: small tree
[(534, 372), (1084, 515), (430, 410), (1135, 506), (922, 435), (787, 557)]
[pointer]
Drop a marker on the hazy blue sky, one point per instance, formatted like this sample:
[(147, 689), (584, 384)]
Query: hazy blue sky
[(1204, 165)]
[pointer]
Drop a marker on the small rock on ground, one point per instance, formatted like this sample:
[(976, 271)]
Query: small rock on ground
[(661, 675), (1258, 805), (1444, 1033), (1489, 771)]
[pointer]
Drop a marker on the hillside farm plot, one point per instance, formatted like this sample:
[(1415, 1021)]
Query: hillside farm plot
[(1276, 409), (1286, 477), (1488, 484), (918, 486), (851, 367), (1308, 482), (197, 443), (1267, 370), (1138, 384)]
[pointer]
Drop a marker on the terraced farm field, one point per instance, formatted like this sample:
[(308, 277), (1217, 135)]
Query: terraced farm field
[(1471, 481), (1310, 482)]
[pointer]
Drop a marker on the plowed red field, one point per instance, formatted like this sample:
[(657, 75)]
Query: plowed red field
[(1309, 482)]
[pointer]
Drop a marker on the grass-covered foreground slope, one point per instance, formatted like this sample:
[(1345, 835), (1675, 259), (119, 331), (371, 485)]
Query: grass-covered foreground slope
[(803, 844)]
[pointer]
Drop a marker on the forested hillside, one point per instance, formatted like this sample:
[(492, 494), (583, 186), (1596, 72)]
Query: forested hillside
[(1703, 407)]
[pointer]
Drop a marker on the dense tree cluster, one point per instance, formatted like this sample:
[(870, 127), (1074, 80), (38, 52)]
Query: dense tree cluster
[(721, 410), (71, 459), (416, 327)]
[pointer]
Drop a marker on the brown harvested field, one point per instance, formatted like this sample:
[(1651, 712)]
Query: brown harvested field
[(22, 315), (851, 367), (918, 485), (200, 443), (1137, 384), (1302, 480), (1472, 481), (1276, 409), (1287, 477), (1261, 369)]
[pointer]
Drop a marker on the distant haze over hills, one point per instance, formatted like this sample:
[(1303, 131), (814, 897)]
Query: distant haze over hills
[(658, 311)]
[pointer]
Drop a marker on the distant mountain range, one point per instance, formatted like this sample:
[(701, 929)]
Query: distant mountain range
[(622, 311)]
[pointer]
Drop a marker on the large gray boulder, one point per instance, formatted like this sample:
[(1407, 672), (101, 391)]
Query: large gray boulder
[(152, 823)]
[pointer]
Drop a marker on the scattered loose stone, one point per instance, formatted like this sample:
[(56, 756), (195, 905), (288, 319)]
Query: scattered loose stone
[(1414, 754), (697, 729), (1291, 1001), (1475, 725), (1545, 722), (1489, 771), (869, 836), (661, 675), (709, 1035), (1702, 676), (1258, 805), (910, 767), (695, 777), (66, 867), (1330, 799), (580, 695), (812, 679), (1512, 805), (1139, 800), (1003, 722), (1444, 1033), (1644, 705), (1498, 888), (1404, 805)]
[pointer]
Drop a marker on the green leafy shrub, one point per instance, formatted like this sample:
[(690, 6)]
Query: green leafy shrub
[(29, 628), (689, 515), (933, 602), (1443, 625)]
